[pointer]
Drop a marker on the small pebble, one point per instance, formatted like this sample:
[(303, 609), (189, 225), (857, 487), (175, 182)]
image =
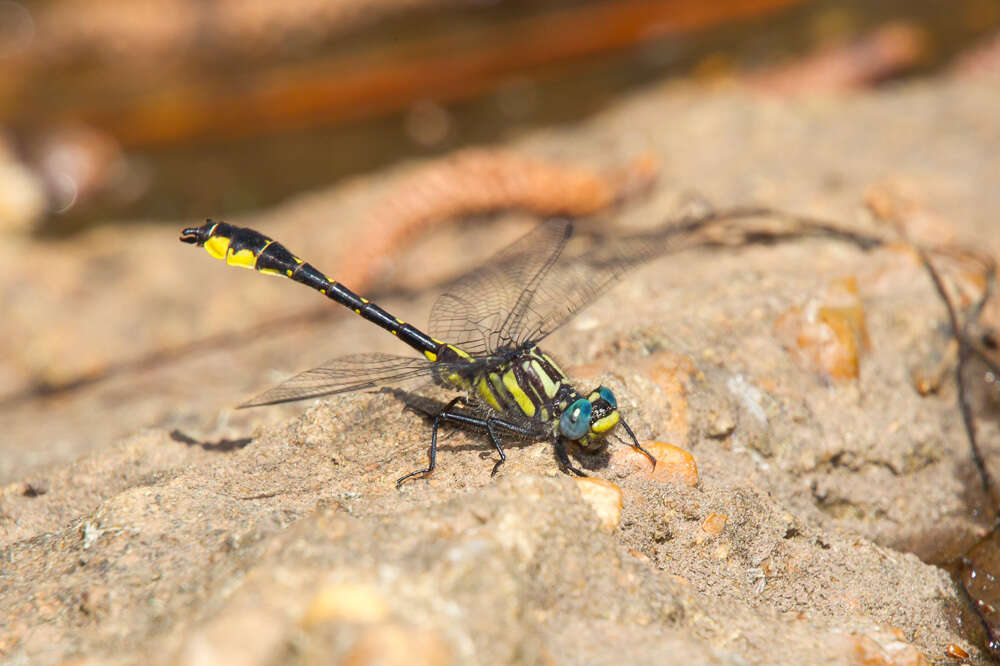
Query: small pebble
[(348, 602), (829, 332), (884, 649), (721, 422), (714, 524), (639, 555), (673, 464), (605, 498), (22, 194), (954, 651), (393, 645)]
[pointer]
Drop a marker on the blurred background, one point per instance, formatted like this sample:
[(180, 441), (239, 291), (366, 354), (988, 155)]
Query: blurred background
[(396, 144), (343, 126), (114, 110)]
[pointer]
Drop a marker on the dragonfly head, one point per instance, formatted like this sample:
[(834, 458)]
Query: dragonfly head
[(198, 235), (587, 420)]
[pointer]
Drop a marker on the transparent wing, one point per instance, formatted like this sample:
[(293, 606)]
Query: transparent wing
[(531, 288), (345, 374), (574, 282), (481, 308)]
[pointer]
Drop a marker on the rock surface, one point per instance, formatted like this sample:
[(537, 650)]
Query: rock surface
[(822, 505)]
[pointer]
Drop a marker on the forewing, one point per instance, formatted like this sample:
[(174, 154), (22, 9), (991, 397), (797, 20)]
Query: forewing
[(574, 282), (483, 307), (346, 374)]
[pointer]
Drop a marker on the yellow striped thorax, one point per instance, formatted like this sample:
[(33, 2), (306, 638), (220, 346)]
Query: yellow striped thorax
[(529, 385)]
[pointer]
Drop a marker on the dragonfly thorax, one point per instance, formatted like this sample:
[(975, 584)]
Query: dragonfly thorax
[(528, 386)]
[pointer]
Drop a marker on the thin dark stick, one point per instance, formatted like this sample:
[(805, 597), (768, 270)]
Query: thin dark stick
[(990, 272), (963, 356)]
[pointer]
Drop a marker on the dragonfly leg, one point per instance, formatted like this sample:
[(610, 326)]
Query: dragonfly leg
[(496, 443), (564, 459), (513, 427), (432, 455), (490, 424), (636, 445)]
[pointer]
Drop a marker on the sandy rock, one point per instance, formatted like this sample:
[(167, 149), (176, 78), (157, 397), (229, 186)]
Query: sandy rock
[(605, 498)]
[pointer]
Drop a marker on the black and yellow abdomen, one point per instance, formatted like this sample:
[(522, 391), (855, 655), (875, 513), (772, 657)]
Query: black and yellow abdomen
[(239, 246)]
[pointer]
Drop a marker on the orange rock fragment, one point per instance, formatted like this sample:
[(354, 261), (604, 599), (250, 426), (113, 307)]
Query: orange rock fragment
[(830, 331), (884, 649), (639, 555), (929, 375), (956, 652), (395, 645), (714, 524), (673, 464), (346, 602), (897, 203), (605, 498)]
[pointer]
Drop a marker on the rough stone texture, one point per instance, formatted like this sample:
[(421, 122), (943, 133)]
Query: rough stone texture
[(277, 536)]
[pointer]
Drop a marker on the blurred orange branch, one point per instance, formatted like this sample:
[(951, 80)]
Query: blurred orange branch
[(444, 65)]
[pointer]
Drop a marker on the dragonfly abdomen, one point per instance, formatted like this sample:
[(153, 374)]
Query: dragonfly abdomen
[(239, 246)]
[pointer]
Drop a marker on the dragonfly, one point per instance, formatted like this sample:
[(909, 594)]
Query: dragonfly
[(483, 339)]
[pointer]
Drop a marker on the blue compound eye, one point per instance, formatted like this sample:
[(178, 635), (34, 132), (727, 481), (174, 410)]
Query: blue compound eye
[(606, 393), (575, 421)]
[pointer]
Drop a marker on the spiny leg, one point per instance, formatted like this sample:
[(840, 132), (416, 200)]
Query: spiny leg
[(513, 427), (564, 459), (432, 455), (496, 443), (488, 424), (636, 445)]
